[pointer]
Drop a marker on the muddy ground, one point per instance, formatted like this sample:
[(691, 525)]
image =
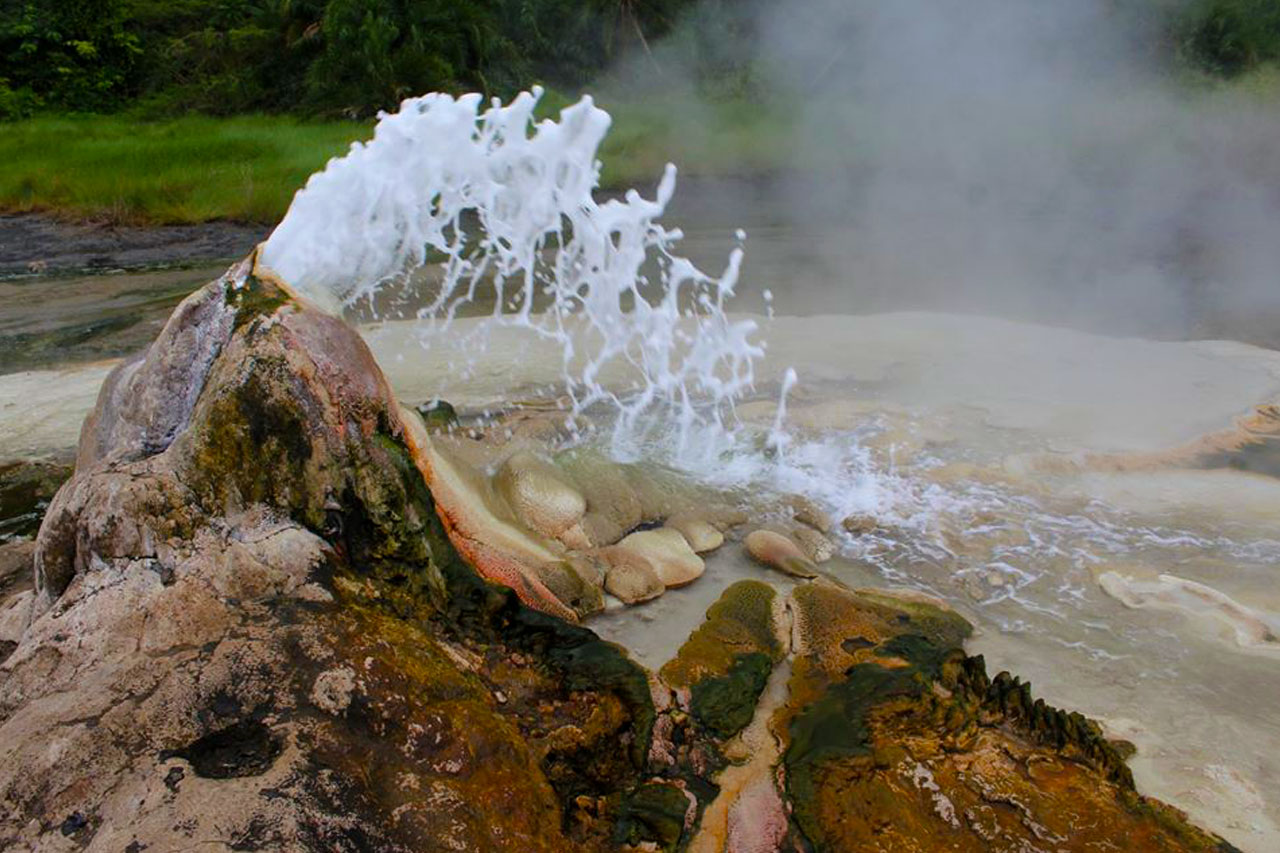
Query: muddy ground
[(76, 292), (37, 243)]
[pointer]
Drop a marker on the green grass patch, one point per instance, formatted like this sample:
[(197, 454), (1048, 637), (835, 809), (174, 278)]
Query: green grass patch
[(246, 168), (184, 170), (712, 139)]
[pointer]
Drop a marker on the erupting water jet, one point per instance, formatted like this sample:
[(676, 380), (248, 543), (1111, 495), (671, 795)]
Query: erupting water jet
[(500, 200)]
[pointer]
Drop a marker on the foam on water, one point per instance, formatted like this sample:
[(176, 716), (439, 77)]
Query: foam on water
[(500, 200)]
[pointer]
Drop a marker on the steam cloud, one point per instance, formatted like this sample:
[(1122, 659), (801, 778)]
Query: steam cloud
[(1026, 159)]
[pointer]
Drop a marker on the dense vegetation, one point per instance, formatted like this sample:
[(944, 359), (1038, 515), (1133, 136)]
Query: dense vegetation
[(328, 57), (1230, 37), (351, 57), (187, 169)]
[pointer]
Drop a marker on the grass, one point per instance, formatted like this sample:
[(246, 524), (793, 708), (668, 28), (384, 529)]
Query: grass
[(715, 139), (184, 170), (198, 169)]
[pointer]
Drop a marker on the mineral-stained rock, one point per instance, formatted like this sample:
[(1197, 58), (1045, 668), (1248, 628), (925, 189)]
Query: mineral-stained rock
[(479, 524), (668, 553), (807, 512), (897, 740), (817, 547), (612, 506), (17, 562), (860, 525), (701, 535), (582, 591), (780, 552), (631, 578), (539, 495), (870, 729), (250, 628)]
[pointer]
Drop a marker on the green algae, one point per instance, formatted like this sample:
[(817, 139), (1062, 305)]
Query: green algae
[(654, 813), (739, 623), (253, 299), (725, 705)]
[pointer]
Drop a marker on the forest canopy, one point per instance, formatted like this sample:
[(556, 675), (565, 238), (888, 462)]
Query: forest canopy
[(324, 57), (353, 57)]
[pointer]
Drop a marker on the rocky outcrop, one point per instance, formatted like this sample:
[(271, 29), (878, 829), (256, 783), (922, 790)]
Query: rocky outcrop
[(843, 720), (249, 628), (272, 611)]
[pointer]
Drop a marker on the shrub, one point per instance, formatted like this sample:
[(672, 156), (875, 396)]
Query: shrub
[(1230, 37)]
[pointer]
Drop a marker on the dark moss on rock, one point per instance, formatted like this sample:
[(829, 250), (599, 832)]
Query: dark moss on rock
[(255, 298), (654, 813), (246, 748), (837, 725), (439, 416), (724, 705)]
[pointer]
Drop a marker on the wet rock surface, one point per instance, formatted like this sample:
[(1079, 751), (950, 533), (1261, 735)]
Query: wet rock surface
[(270, 611), (887, 736), (781, 552)]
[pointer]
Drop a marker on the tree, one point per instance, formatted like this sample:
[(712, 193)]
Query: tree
[(75, 54)]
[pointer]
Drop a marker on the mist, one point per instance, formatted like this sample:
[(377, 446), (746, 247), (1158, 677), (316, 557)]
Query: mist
[(1032, 160)]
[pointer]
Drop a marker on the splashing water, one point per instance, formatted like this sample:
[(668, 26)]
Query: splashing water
[(501, 200), (502, 203)]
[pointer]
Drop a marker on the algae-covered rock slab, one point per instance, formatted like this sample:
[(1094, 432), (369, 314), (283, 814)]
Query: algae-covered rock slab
[(722, 669), (897, 740), (849, 720)]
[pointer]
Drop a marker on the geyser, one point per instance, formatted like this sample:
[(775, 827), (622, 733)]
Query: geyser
[(502, 201)]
